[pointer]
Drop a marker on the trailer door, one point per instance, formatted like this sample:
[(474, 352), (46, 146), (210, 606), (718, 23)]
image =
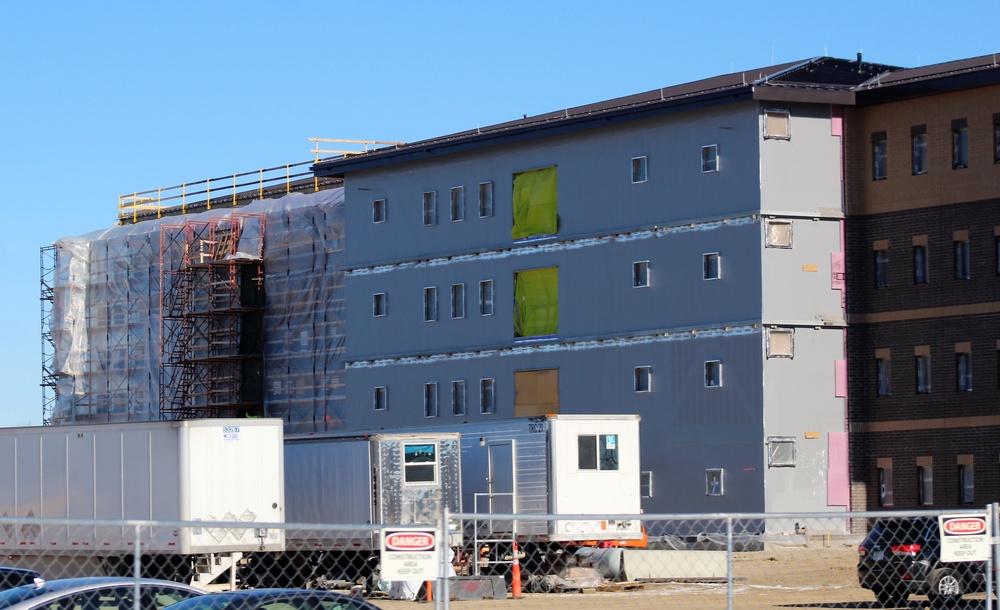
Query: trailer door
[(501, 481)]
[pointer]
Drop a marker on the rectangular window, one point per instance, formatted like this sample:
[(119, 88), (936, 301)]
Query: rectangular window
[(536, 392), (885, 484), (966, 484), (959, 144), (430, 208), (713, 374), (536, 302), (420, 464), (919, 264), (485, 199), (430, 304), (641, 379), (487, 396), (458, 397), (713, 482), (380, 398), (486, 298), (380, 304), (923, 374), (882, 376), (431, 399), (457, 301), (918, 137), (458, 203), (597, 451), (777, 125), (646, 484), (780, 343), (380, 213), (880, 156), (925, 485), (962, 264), (781, 452), (535, 203), (778, 234), (638, 170), (963, 364), (881, 268), (710, 158), (711, 266), (640, 274)]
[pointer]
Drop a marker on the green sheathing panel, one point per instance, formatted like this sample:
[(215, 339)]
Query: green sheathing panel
[(536, 302), (535, 203)]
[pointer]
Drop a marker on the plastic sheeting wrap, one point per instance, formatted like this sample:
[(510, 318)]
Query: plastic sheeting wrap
[(105, 322)]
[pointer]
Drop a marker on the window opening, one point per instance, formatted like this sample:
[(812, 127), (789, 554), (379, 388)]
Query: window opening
[(536, 302), (882, 376), (881, 268), (710, 158), (714, 482), (485, 199), (381, 398), (777, 125), (885, 486), (458, 397), (962, 266), (458, 204), (487, 396), (430, 208), (966, 485), (713, 374), (780, 343), (640, 274), (597, 451), (486, 298), (536, 392), (535, 203), (646, 484), (420, 463), (431, 399), (880, 156), (380, 304), (923, 374), (781, 452), (430, 304), (918, 136), (457, 301), (379, 211), (963, 362), (642, 379), (925, 485), (638, 170), (959, 144), (920, 264), (778, 234), (711, 266)]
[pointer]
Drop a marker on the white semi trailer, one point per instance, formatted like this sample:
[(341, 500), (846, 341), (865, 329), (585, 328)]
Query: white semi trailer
[(222, 470)]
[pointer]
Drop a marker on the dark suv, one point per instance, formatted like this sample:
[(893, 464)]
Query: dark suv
[(902, 556)]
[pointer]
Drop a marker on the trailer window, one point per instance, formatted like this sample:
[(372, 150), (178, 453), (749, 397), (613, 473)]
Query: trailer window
[(420, 463), (597, 451)]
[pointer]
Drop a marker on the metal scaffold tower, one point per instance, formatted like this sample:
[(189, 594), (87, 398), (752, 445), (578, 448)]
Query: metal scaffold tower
[(48, 270), (211, 317)]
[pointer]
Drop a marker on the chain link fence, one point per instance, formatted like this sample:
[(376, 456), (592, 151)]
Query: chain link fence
[(818, 560)]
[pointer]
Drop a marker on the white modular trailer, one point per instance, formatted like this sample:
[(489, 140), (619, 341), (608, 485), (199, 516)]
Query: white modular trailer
[(196, 470), (556, 464), (396, 479)]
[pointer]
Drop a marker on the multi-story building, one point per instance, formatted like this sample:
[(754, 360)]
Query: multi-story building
[(924, 286)]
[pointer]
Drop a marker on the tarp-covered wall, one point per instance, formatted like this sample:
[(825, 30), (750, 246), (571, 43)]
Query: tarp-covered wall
[(105, 321)]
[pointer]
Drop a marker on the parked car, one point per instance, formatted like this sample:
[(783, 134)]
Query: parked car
[(286, 599), (15, 577), (106, 593), (902, 556)]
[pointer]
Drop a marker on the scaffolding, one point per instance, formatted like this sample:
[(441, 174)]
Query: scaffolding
[(47, 263), (211, 318)]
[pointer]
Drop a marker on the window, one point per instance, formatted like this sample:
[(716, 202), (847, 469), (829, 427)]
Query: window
[(710, 158), (996, 138), (640, 274), (925, 485), (711, 266), (962, 266), (485, 199), (780, 343), (379, 211), (880, 156), (885, 482), (487, 396), (923, 373), (646, 484), (918, 137), (457, 301), (535, 203), (638, 170), (380, 304), (781, 452), (778, 234), (431, 399), (430, 208), (430, 304), (713, 374), (777, 125), (920, 264), (959, 144), (458, 397), (641, 379), (419, 463), (963, 364), (882, 380), (536, 392), (882, 268), (536, 302), (597, 451), (486, 298), (458, 204), (966, 485), (380, 398), (713, 482)]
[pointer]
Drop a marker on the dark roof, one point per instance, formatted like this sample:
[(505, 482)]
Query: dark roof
[(817, 80)]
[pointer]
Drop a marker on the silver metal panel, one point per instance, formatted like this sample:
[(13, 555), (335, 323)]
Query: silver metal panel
[(328, 481), (398, 502)]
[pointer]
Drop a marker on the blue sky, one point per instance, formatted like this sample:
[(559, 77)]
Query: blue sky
[(105, 98)]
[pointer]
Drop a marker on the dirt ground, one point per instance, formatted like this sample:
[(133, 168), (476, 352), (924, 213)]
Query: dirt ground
[(820, 576)]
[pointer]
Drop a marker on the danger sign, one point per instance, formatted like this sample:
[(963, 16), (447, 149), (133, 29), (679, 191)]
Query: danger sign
[(964, 538), (410, 554)]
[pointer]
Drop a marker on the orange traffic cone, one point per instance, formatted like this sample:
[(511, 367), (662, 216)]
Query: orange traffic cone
[(515, 575)]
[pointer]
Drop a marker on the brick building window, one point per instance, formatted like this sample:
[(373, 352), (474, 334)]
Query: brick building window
[(966, 484), (882, 268), (882, 378), (920, 275), (880, 156), (918, 136), (996, 138), (963, 269), (963, 366), (884, 472), (959, 144), (925, 485), (923, 373)]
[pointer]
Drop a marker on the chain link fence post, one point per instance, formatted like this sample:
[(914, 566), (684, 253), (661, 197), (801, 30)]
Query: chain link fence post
[(729, 563)]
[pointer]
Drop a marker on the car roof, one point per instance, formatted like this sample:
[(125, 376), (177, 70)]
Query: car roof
[(264, 595)]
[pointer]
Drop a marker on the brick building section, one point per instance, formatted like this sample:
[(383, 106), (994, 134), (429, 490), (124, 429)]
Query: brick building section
[(946, 426)]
